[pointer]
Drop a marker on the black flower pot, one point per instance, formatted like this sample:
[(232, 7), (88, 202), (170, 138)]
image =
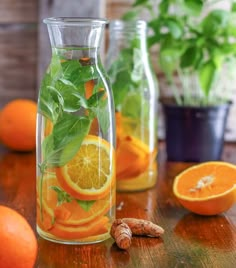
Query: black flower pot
[(195, 134)]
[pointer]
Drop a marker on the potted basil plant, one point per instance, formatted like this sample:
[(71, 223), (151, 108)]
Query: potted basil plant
[(196, 53)]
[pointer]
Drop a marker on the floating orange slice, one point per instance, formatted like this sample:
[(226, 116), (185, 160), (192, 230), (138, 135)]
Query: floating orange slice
[(48, 127), (90, 175), (68, 213), (94, 228), (132, 157), (208, 188)]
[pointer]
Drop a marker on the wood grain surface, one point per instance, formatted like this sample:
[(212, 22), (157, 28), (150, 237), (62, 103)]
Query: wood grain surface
[(189, 240), (19, 11), (18, 45)]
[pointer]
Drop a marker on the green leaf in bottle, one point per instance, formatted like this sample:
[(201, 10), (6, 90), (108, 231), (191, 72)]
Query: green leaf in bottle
[(64, 197)]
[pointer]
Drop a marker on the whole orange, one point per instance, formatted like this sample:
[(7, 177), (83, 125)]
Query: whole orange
[(18, 125), (18, 247)]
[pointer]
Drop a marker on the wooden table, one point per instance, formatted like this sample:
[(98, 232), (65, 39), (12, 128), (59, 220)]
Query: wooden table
[(189, 240)]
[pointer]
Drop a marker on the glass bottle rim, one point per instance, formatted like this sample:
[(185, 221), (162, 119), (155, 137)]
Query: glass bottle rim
[(122, 24), (74, 21)]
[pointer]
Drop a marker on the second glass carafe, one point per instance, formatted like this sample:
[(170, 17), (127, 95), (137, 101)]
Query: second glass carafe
[(135, 93)]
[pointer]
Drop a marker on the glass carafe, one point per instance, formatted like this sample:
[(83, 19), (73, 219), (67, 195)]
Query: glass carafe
[(75, 137), (135, 93)]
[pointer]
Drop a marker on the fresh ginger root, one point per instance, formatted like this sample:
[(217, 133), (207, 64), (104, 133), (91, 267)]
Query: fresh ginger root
[(121, 232), (143, 227), (123, 229)]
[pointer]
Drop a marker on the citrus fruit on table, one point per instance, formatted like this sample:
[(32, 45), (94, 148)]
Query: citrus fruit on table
[(91, 173), (18, 247), (18, 125), (208, 188)]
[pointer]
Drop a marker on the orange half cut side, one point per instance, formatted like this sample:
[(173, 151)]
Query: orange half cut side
[(208, 188)]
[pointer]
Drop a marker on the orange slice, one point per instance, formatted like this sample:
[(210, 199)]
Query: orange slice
[(90, 175), (96, 227), (48, 127), (132, 157), (68, 213), (89, 86), (208, 188), (45, 221)]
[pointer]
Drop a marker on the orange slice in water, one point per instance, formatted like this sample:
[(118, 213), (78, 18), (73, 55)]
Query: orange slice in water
[(69, 213), (208, 188), (90, 175), (132, 157), (94, 228)]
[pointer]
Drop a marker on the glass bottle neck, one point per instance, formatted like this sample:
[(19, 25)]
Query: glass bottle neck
[(81, 34), (125, 33)]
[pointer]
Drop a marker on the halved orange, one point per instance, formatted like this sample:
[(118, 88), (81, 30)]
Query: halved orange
[(69, 213), (208, 188), (90, 175)]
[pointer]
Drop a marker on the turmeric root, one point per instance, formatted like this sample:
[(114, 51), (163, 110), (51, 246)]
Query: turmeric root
[(123, 229), (121, 232), (143, 227)]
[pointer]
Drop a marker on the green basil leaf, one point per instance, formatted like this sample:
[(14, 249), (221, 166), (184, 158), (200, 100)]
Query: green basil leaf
[(175, 29), (169, 59), (46, 104), (131, 108), (156, 25), (132, 105), (207, 75), (71, 67), (121, 86), (214, 22), (231, 30), (130, 15), (189, 57), (194, 6), (62, 196), (47, 147), (233, 7), (68, 134), (138, 70), (65, 140), (164, 6), (103, 115), (140, 2), (72, 97), (85, 205), (153, 39), (55, 65), (74, 72), (94, 100), (68, 127), (51, 156)]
